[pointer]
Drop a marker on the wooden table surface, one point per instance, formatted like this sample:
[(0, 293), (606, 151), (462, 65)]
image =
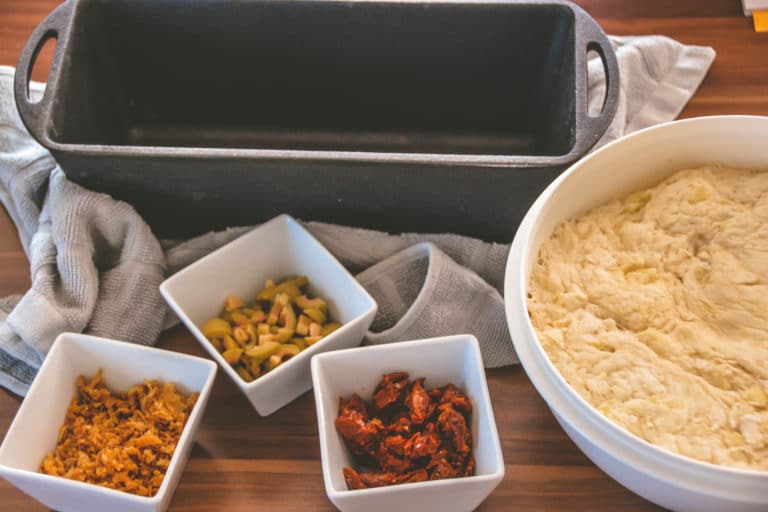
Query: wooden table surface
[(241, 460)]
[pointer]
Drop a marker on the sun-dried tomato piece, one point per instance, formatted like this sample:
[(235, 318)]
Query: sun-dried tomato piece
[(417, 475), (382, 478), (440, 465), (390, 389), (378, 478), (420, 405), (391, 454), (361, 436), (353, 479), (441, 469), (401, 426), (453, 395), (354, 404), (423, 444), (454, 427)]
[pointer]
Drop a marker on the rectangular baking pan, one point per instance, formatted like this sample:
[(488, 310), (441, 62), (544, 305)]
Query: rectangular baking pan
[(402, 116)]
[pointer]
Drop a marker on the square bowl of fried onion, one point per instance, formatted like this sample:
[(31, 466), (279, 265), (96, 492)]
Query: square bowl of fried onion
[(106, 425)]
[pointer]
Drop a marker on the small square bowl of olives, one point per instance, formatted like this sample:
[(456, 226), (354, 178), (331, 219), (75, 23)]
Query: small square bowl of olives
[(265, 303)]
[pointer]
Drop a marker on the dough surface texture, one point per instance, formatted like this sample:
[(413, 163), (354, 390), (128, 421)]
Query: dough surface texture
[(654, 308)]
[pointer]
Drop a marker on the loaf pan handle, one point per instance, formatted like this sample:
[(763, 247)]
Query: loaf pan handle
[(591, 37), (35, 114)]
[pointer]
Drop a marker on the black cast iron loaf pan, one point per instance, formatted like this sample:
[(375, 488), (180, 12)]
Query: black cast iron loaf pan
[(405, 116)]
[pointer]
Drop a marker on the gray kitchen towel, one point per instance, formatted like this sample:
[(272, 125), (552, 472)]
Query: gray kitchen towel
[(95, 265), (422, 292)]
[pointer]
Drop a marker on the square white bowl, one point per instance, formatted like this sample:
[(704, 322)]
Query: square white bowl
[(278, 248), (449, 359), (35, 429)]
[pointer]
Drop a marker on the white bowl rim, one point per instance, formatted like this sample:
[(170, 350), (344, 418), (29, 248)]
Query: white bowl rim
[(499, 466), (528, 352), (159, 496), (303, 354)]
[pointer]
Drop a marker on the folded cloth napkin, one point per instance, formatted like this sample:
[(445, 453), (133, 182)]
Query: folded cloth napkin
[(96, 266)]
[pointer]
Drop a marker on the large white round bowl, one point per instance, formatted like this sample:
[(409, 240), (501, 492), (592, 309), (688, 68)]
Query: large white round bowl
[(632, 163)]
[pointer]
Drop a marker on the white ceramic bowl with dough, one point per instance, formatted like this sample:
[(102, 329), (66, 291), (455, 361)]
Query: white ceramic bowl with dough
[(633, 163), (35, 429)]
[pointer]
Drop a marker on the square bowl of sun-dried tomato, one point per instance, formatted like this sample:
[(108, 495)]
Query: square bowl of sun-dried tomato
[(407, 426), (106, 426)]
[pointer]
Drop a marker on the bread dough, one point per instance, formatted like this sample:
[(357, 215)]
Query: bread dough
[(654, 308)]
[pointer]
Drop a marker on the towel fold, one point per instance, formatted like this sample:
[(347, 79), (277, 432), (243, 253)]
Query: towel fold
[(96, 266)]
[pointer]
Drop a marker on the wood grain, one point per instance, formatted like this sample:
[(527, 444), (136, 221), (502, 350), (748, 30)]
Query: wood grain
[(242, 461)]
